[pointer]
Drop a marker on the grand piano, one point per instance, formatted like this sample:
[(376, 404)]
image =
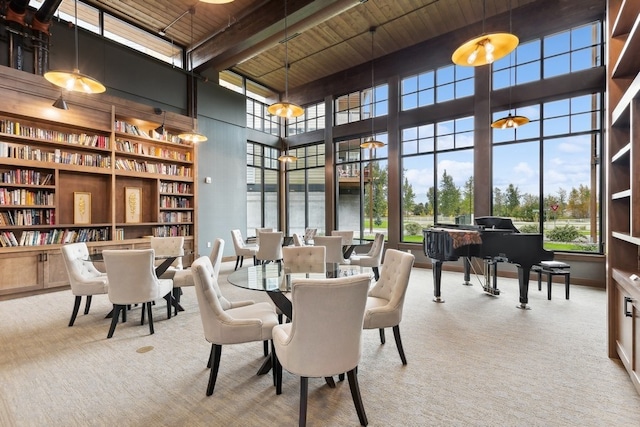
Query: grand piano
[(493, 239)]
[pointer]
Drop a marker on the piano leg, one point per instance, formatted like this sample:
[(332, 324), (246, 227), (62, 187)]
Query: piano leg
[(466, 262), (436, 267), (523, 280)]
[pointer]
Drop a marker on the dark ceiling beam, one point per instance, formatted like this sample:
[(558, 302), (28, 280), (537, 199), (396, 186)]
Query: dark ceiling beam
[(262, 29)]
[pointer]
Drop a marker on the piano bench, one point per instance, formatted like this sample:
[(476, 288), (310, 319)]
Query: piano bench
[(553, 268)]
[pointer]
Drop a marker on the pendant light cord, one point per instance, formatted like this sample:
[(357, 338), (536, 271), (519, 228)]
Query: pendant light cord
[(76, 33), (286, 55), (372, 30)]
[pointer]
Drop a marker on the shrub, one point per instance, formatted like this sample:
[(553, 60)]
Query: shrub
[(529, 228), (563, 233), (413, 228)]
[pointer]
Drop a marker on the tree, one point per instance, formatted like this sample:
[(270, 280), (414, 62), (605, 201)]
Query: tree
[(448, 196), (379, 184), (528, 211), (419, 209), (408, 197), (466, 205), (498, 202), (512, 200), (430, 205), (578, 203)]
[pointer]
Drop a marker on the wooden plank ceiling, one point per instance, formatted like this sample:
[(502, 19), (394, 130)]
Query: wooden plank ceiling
[(325, 36)]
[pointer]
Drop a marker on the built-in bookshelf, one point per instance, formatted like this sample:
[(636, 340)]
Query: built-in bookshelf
[(74, 176), (623, 183)]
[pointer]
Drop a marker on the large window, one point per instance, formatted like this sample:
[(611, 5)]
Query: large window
[(312, 119), (565, 52), (306, 197), (262, 187), (437, 175), (362, 184), (362, 105), (444, 84), (546, 176)]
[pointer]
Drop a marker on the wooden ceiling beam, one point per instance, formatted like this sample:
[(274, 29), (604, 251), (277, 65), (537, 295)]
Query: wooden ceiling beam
[(262, 29)]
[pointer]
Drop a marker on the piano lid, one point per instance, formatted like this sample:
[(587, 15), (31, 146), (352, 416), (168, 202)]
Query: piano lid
[(496, 222)]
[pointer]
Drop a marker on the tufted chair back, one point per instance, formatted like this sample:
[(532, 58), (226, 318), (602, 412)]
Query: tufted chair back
[(347, 236), (304, 259), (334, 248), (262, 230), (270, 248), (169, 246), (84, 277)]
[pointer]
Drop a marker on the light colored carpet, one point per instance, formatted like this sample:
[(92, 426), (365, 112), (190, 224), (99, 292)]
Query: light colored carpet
[(474, 360)]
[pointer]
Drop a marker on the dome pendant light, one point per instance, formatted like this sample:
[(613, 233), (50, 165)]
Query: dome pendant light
[(486, 48), (371, 143), (74, 81), (284, 108), (194, 136)]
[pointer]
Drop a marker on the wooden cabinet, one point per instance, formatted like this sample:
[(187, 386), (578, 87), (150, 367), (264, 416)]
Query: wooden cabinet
[(623, 183), (97, 173)]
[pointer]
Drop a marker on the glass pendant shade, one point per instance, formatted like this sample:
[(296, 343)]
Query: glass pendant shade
[(216, 1), (193, 137), (287, 158), (485, 49), (510, 122)]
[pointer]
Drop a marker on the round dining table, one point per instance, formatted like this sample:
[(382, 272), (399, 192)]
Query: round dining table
[(276, 280)]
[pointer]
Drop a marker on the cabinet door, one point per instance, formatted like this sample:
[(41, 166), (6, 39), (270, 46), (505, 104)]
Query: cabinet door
[(624, 324), (635, 373), (55, 273), (21, 271)]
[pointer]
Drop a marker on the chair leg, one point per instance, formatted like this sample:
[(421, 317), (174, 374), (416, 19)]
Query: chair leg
[(567, 279), (169, 298), (382, 338), (549, 280), (237, 262), (376, 273), (114, 320), (341, 376), (265, 348), (277, 370), (87, 304), (150, 312), (216, 350), (144, 308), (539, 280), (396, 334), (357, 398), (241, 260), (176, 298), (76, 307), (210, 357), (304, 385), (330, 382)]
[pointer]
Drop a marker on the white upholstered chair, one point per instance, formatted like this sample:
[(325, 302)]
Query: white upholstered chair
[(172, 247), (386, 298), (334, 248), (184, 278), (226, 322), (242, 249), (270, 248), (298, 240), (347, 236), (373, 258), (262, 230), (132, 280), (84, 277), (324, 337)]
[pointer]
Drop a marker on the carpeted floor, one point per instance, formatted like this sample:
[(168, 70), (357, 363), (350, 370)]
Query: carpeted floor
[(475, 360)]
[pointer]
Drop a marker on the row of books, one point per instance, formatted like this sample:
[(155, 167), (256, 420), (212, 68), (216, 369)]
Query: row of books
[(150, 150), (174, 202), (175, 187), (122, 126), (51, 237), (25, 197), (26, 176), (28, 217), (26, 152), (15, 128), (159, 168), (170, 217), (171, 231)]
